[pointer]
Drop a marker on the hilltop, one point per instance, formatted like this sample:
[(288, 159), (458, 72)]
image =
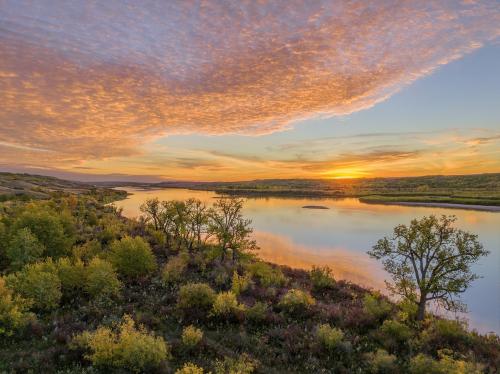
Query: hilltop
[(28, 186)]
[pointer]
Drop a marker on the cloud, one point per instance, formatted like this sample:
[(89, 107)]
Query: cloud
[(92, 80)]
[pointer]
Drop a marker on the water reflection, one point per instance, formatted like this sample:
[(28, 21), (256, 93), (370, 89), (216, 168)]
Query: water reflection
[(340, 236)]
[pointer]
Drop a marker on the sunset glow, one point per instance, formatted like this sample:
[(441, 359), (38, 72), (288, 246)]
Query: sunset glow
[(226, 91)]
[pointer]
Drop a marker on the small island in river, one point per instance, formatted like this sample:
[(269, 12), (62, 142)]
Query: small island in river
[(315, 207)]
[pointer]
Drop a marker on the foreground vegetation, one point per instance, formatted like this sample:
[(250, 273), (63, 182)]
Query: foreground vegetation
[(85, 290)]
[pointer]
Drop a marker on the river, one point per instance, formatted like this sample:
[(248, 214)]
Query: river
[(339, 237)]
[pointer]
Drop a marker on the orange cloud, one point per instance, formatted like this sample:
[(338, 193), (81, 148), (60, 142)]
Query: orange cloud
[(88, 81)]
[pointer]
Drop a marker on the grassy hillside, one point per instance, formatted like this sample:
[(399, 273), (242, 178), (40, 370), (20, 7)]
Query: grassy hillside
[(26, 186), (106, 294)]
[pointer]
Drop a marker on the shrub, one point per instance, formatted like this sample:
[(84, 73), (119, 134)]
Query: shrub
[(190, 368), (321, 277), (196, 296), (445, 333), (191, 336), (39, 283), (72, 275), (14, 313), (240, 283), (376, 306), (382, 362), (266, 274), (101, 279), (296, 301), (23, 248), (257, 312), (394, 334), (329, 337), (226, 304), (175, 268), (53, 230), (423, 364), (87, 251), (124, 347), (132, 257), (241, 365)]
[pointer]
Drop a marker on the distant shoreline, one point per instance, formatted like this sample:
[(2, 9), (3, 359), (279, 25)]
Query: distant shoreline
[(486, 208), (477, 207)]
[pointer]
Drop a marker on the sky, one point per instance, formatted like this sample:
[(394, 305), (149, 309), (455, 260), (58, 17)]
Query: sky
[(224, 90)]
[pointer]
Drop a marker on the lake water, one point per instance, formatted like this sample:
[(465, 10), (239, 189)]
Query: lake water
[(340, 236)]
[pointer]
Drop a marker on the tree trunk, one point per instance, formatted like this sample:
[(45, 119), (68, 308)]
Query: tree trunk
[(421, 308)]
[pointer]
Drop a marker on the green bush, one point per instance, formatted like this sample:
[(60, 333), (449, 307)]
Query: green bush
[(423, 364), (240, 283), (23, 248), (189, 368), (376, 307), (296, 301), (53, 230), (226, 304), (87, 251), (71, 274), (175, 268), (257, 312), (191, 336), (101, 279), (445, 333), (241, 365), (394, 334), (382, 362), (14, 313), (266, 274), (321, 277), (39, 283), (125, 347), (132, 257), (329, 337), (199, 296)]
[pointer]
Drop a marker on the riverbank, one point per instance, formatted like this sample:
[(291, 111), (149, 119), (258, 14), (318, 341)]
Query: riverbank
[(485, 208)]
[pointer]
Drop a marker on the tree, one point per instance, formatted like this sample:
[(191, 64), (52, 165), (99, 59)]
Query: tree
[(152, 210), (228, 226), (24, 248), (430, 260)]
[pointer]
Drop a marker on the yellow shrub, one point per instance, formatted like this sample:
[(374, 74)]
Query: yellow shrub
[(296, 300), (175, 268), (329, 337), (126, 346), (132, 257), (38, 283), (382, 362), (190, 368), (226, 304), (191, 336), (423, 364), (321, 277), (266, 274), (101, 279), (199, 296), (13, 311), (376, 306), (242, 365), (72, 275), (240, 283)]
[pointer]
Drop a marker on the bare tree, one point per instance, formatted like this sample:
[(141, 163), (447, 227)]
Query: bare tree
[(430, 260)]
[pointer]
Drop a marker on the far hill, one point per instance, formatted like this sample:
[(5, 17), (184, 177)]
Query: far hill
[(28, 186)]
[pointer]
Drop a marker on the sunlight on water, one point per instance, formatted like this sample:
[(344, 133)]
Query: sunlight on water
[(339, 237)]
